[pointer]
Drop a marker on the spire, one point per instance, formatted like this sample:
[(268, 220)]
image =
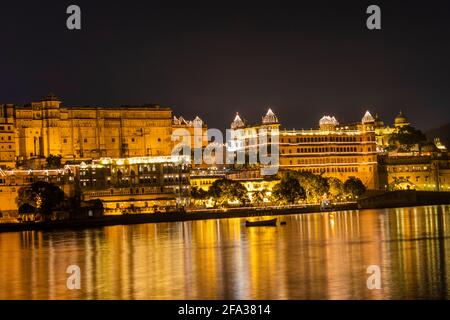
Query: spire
[(197, 122), (237, 122), (270, 117), (367, 118)]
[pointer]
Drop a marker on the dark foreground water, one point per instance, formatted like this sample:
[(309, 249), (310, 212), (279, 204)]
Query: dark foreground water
[(314, 256)]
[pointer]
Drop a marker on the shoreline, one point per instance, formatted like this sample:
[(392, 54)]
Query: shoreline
[(130, 219), (206, 214)]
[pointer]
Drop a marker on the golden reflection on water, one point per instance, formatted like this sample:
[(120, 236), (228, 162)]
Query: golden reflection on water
[(314, 256)]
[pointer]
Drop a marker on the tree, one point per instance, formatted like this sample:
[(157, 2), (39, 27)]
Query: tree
[(53, 162), (26, 208), (354, 187), (258, 196), (224, 190), (405, 138), (315, 186), (43, 196), (289, 190), (336, 189), (198, 194)]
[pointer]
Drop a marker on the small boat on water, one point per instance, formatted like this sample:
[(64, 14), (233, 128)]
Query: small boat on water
[(261, 223)]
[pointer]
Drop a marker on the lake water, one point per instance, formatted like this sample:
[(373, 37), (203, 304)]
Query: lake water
[(314, 256)]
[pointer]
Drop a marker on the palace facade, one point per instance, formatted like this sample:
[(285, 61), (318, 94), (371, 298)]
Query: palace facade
[(124, 185), (32, 132), (425, 172), (333, 150), (7, 137), (136, 185)]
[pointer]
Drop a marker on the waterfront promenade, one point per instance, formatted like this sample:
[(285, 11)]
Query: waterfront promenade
[(405, 198), (205, 214)]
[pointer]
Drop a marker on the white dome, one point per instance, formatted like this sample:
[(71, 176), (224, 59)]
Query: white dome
[(270, 117), (328, 120)]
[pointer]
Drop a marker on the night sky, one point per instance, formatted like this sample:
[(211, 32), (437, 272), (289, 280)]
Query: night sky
[(214, 58)]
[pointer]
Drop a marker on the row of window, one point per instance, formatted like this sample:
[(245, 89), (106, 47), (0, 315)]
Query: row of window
[(93, 182), (330, 170), (85, 140), (417, 178), (201, 183), (325, 160), (323, 149), (408, 169), (326, 139)]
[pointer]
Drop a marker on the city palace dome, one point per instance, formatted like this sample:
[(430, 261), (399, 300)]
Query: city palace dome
[(400, 120), (328, 120)]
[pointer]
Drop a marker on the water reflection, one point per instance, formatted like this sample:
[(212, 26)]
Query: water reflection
[(315, 256)]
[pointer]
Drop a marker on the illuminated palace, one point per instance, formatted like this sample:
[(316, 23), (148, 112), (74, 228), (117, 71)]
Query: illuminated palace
[(37, 130), (354, 150), (334, 150), (136, 185), (128, 185)]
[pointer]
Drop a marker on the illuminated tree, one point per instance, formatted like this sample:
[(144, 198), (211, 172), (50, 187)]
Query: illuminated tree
[(288, 191), (315, 186), (224, 190), (336, 189), (44, 196), (258, 196), (198, 194)]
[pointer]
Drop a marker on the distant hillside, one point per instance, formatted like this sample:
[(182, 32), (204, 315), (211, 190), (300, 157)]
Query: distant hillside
[(441, 132)]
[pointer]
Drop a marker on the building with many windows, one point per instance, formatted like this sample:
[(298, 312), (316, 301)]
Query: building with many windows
[(333, 149), (123, 185), (39, 129), (415, 172), (7, 137), (136, 185)]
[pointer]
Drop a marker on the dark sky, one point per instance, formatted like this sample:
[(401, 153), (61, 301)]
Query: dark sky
[(213, 58)]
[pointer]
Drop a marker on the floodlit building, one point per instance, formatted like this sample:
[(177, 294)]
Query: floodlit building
[(204, 178), (383, 131), (333, 150), (46, 127), (123, 185), (192, 134), (7, 137), (136, 185), (257, 185), (421, 172), (12, 181)]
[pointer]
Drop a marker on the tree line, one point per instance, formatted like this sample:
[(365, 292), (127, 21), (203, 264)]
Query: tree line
[(294, 187)]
